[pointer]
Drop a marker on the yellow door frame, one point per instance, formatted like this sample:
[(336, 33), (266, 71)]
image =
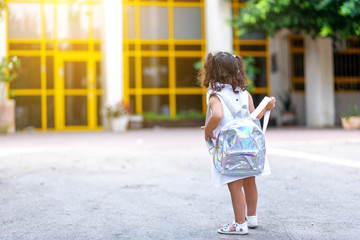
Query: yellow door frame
[(90, 91)]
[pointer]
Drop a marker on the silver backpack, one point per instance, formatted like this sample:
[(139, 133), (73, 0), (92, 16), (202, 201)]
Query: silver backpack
[(239, 149)]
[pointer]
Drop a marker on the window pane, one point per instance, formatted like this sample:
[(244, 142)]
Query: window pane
[(346, 65), (298, 43), (186, 74), (49, 46), (73, 47), (28, 75), (49, 20), (72, 21), (187, 47), (156, 104), (24, 46), (187, 22), (97, 21), (133, 103), (99, 111), (252, 48), (24, 20), (131, 22), (299, 86), (154, 22), (49, 72), (98, 75), (298, 64), (75, 75), (186, 103), (50, 111), (132, 71), (260, 78), (253, 36), (28, 111), (76, 110), (155, 72), (346, 71), (154, 47)]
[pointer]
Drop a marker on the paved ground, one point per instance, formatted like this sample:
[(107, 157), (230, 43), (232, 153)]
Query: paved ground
[(156, 184)]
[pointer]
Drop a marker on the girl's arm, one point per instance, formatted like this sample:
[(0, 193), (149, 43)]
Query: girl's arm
[(269, 106), (215, 118)]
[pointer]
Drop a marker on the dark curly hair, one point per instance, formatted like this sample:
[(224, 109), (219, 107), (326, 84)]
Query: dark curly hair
[(224, 68)]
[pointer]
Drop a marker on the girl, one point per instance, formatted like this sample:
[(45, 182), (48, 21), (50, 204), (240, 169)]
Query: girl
[(224, 76)]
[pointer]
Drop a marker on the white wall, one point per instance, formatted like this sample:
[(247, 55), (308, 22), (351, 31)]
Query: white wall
[(218, 32)]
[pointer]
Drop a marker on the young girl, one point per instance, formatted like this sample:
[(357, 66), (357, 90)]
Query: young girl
[(224, 76)]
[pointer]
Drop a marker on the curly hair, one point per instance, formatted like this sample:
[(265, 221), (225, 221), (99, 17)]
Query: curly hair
[(223, 68)]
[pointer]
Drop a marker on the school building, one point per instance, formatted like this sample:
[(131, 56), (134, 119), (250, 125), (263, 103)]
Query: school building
[(79, 55)]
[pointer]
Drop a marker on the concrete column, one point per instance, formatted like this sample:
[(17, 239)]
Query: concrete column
[(112, 52), (319, 83), (280, 69), (218, 32)]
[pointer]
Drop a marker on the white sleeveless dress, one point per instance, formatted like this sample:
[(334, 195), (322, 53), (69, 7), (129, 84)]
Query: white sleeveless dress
[(240, 102)]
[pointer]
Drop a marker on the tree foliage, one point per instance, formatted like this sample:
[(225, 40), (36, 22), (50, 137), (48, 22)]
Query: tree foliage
[(323, 18)]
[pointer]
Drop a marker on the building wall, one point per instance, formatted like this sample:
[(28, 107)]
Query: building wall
[(61, 83)]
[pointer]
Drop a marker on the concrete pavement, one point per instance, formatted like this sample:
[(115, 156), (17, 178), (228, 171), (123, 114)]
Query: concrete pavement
[(156, 184)]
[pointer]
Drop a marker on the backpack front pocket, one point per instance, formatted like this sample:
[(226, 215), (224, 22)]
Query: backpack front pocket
[(238, 163)]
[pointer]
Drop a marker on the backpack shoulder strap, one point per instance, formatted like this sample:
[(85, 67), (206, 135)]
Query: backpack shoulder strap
[(259, 109)]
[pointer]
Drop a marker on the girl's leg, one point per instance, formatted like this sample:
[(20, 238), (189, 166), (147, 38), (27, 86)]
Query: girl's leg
[(238, 200), (251, 195)]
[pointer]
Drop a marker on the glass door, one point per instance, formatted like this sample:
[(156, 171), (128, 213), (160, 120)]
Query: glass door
[(76, 93)]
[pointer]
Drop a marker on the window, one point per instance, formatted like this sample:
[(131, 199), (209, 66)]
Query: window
[(297, 63), (346, 64), (54, 89), (160, 49)]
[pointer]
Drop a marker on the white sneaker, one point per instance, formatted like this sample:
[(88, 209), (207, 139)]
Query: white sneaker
[(252, 221)]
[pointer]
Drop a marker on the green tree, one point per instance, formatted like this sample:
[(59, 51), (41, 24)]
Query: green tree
[(318, 18)]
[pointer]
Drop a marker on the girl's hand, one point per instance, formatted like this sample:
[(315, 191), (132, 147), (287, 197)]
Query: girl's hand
[(208, 134), (271, 104)]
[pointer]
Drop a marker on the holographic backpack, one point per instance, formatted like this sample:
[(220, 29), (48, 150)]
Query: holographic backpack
[(239, 149)]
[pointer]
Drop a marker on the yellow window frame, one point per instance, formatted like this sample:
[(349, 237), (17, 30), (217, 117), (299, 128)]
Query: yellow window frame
[(171, 54), (91, 56)]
